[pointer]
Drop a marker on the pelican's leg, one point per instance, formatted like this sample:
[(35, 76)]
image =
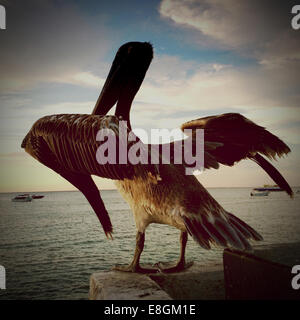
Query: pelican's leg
[(181, 264), (135, 264)]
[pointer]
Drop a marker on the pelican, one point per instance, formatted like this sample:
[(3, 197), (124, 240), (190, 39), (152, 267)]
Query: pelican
[(67, 145)]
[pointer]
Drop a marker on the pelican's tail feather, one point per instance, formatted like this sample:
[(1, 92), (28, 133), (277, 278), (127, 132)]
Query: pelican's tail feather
[(225, 230), (247, 231)]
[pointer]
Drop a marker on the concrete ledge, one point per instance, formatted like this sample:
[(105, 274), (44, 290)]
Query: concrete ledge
[(266, 274), (116, 285), (197, 282)]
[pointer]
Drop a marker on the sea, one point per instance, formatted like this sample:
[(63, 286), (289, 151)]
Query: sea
[(50, 247)]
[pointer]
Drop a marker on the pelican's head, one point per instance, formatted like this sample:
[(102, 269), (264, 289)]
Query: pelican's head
[(125, 78)]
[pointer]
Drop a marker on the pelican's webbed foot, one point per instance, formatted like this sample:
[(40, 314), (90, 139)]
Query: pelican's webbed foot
[(165, 268), (135, 266), (135, 269)]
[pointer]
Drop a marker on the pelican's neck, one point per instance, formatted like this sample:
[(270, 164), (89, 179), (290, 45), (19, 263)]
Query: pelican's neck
[(123, 113), (123, 108)]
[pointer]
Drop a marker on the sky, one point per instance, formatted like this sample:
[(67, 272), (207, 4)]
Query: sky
[(210, 57)]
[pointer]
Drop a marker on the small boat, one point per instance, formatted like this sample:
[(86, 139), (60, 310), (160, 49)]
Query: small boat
[(33, 196), (22, 198), (269, 188), (37, 196), (259, 193)]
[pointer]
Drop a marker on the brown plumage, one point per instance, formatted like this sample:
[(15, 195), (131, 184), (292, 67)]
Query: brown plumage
[(240, 138), (67, 143), (182, 202)]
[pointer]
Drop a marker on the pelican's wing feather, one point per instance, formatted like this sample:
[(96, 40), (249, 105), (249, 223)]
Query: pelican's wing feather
[(240, 138), (73, 140)]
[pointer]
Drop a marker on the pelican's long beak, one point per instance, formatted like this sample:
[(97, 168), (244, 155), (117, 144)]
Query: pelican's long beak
[(125, 78)]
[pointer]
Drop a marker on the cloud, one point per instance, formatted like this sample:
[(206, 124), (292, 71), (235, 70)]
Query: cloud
[(175, 91), (84, 79), (261, 29), (50, 54), (173, 86), (266, 91), (48, 41), (232, 22)]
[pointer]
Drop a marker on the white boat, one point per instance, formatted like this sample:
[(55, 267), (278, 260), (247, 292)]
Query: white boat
[(259, 193), (22, 198), (267, 187)]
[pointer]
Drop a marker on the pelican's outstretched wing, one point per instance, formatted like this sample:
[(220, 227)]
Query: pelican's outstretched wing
[(240, 138), (71, 141)]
